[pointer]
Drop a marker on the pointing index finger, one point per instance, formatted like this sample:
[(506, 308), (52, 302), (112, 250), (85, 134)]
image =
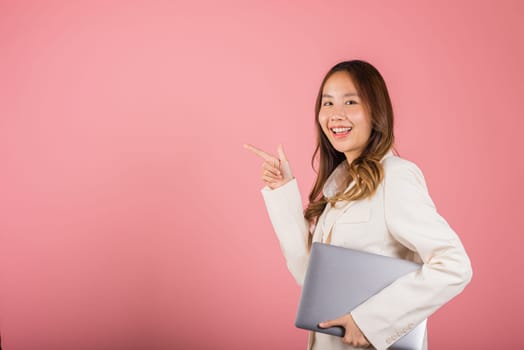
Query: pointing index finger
[(259, 152)]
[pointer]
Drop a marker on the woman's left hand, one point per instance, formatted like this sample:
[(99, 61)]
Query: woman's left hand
[(353, 335)]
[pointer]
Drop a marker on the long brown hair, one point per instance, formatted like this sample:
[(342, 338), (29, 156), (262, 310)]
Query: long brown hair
[(365, 171)]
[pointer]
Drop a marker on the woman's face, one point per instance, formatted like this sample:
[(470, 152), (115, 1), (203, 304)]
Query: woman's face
[(343, 118)]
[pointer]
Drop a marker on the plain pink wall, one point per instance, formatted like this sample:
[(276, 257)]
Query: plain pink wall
[(131, 215)]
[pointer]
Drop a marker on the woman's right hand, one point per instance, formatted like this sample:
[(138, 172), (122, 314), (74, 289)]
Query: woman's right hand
[(276, 171)]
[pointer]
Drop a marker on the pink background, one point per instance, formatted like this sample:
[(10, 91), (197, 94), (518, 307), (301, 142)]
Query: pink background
[(131, 215)]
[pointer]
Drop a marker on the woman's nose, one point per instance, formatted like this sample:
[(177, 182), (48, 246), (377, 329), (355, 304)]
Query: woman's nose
[(337, 115)]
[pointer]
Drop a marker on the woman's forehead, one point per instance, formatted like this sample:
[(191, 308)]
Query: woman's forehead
[(339, 82)]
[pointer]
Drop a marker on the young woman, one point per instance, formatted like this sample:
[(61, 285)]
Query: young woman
[(365, 197)]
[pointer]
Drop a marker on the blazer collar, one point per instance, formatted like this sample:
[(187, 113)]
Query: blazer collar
[(336, 179)]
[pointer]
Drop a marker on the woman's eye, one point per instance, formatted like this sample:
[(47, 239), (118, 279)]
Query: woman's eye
[(327, 103), (351, 102)]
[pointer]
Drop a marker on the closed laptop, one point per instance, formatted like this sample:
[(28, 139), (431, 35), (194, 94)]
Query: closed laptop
[(339, 279)]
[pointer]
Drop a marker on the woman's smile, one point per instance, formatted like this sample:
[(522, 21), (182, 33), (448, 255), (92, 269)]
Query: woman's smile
[(340, 132)]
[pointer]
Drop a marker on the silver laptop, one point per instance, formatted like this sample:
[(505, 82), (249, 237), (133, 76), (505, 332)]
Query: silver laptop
[(339, 279)]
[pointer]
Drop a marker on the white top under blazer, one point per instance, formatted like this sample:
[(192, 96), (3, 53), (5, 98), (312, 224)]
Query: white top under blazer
[(398, 220)]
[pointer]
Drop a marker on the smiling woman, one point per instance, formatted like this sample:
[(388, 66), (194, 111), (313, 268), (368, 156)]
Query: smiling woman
[(361, 178)]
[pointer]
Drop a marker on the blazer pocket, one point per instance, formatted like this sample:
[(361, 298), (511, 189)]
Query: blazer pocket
[(350, 228), (355, 214)]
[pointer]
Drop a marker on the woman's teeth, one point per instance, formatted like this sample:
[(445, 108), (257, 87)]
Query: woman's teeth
[(340, 130)]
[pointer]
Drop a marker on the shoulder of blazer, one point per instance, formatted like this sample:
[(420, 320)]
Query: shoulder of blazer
[(400, 168), (396, 163)]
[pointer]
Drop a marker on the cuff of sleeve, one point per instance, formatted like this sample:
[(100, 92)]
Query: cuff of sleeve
[(283, 201), (283, 194), (268, 189)]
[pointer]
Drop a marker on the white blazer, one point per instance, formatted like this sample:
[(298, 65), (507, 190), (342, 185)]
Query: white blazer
[(399, 220)]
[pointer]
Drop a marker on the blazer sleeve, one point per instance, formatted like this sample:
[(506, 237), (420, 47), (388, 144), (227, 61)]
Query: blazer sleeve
[(412, 219), (284, 206)]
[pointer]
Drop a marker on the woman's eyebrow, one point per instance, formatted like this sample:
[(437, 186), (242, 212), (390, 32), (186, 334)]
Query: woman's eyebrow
[(345, 95)]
